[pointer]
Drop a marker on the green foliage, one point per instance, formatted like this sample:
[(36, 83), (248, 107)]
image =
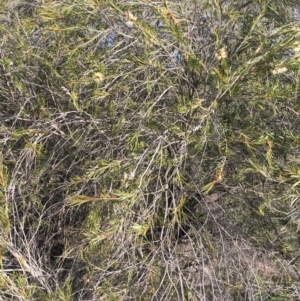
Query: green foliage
[(149, 151)]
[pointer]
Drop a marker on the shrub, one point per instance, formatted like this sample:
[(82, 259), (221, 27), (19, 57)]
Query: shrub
[(149, 150)]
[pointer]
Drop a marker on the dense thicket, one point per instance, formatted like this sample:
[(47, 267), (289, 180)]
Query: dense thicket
[(149, 150)]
